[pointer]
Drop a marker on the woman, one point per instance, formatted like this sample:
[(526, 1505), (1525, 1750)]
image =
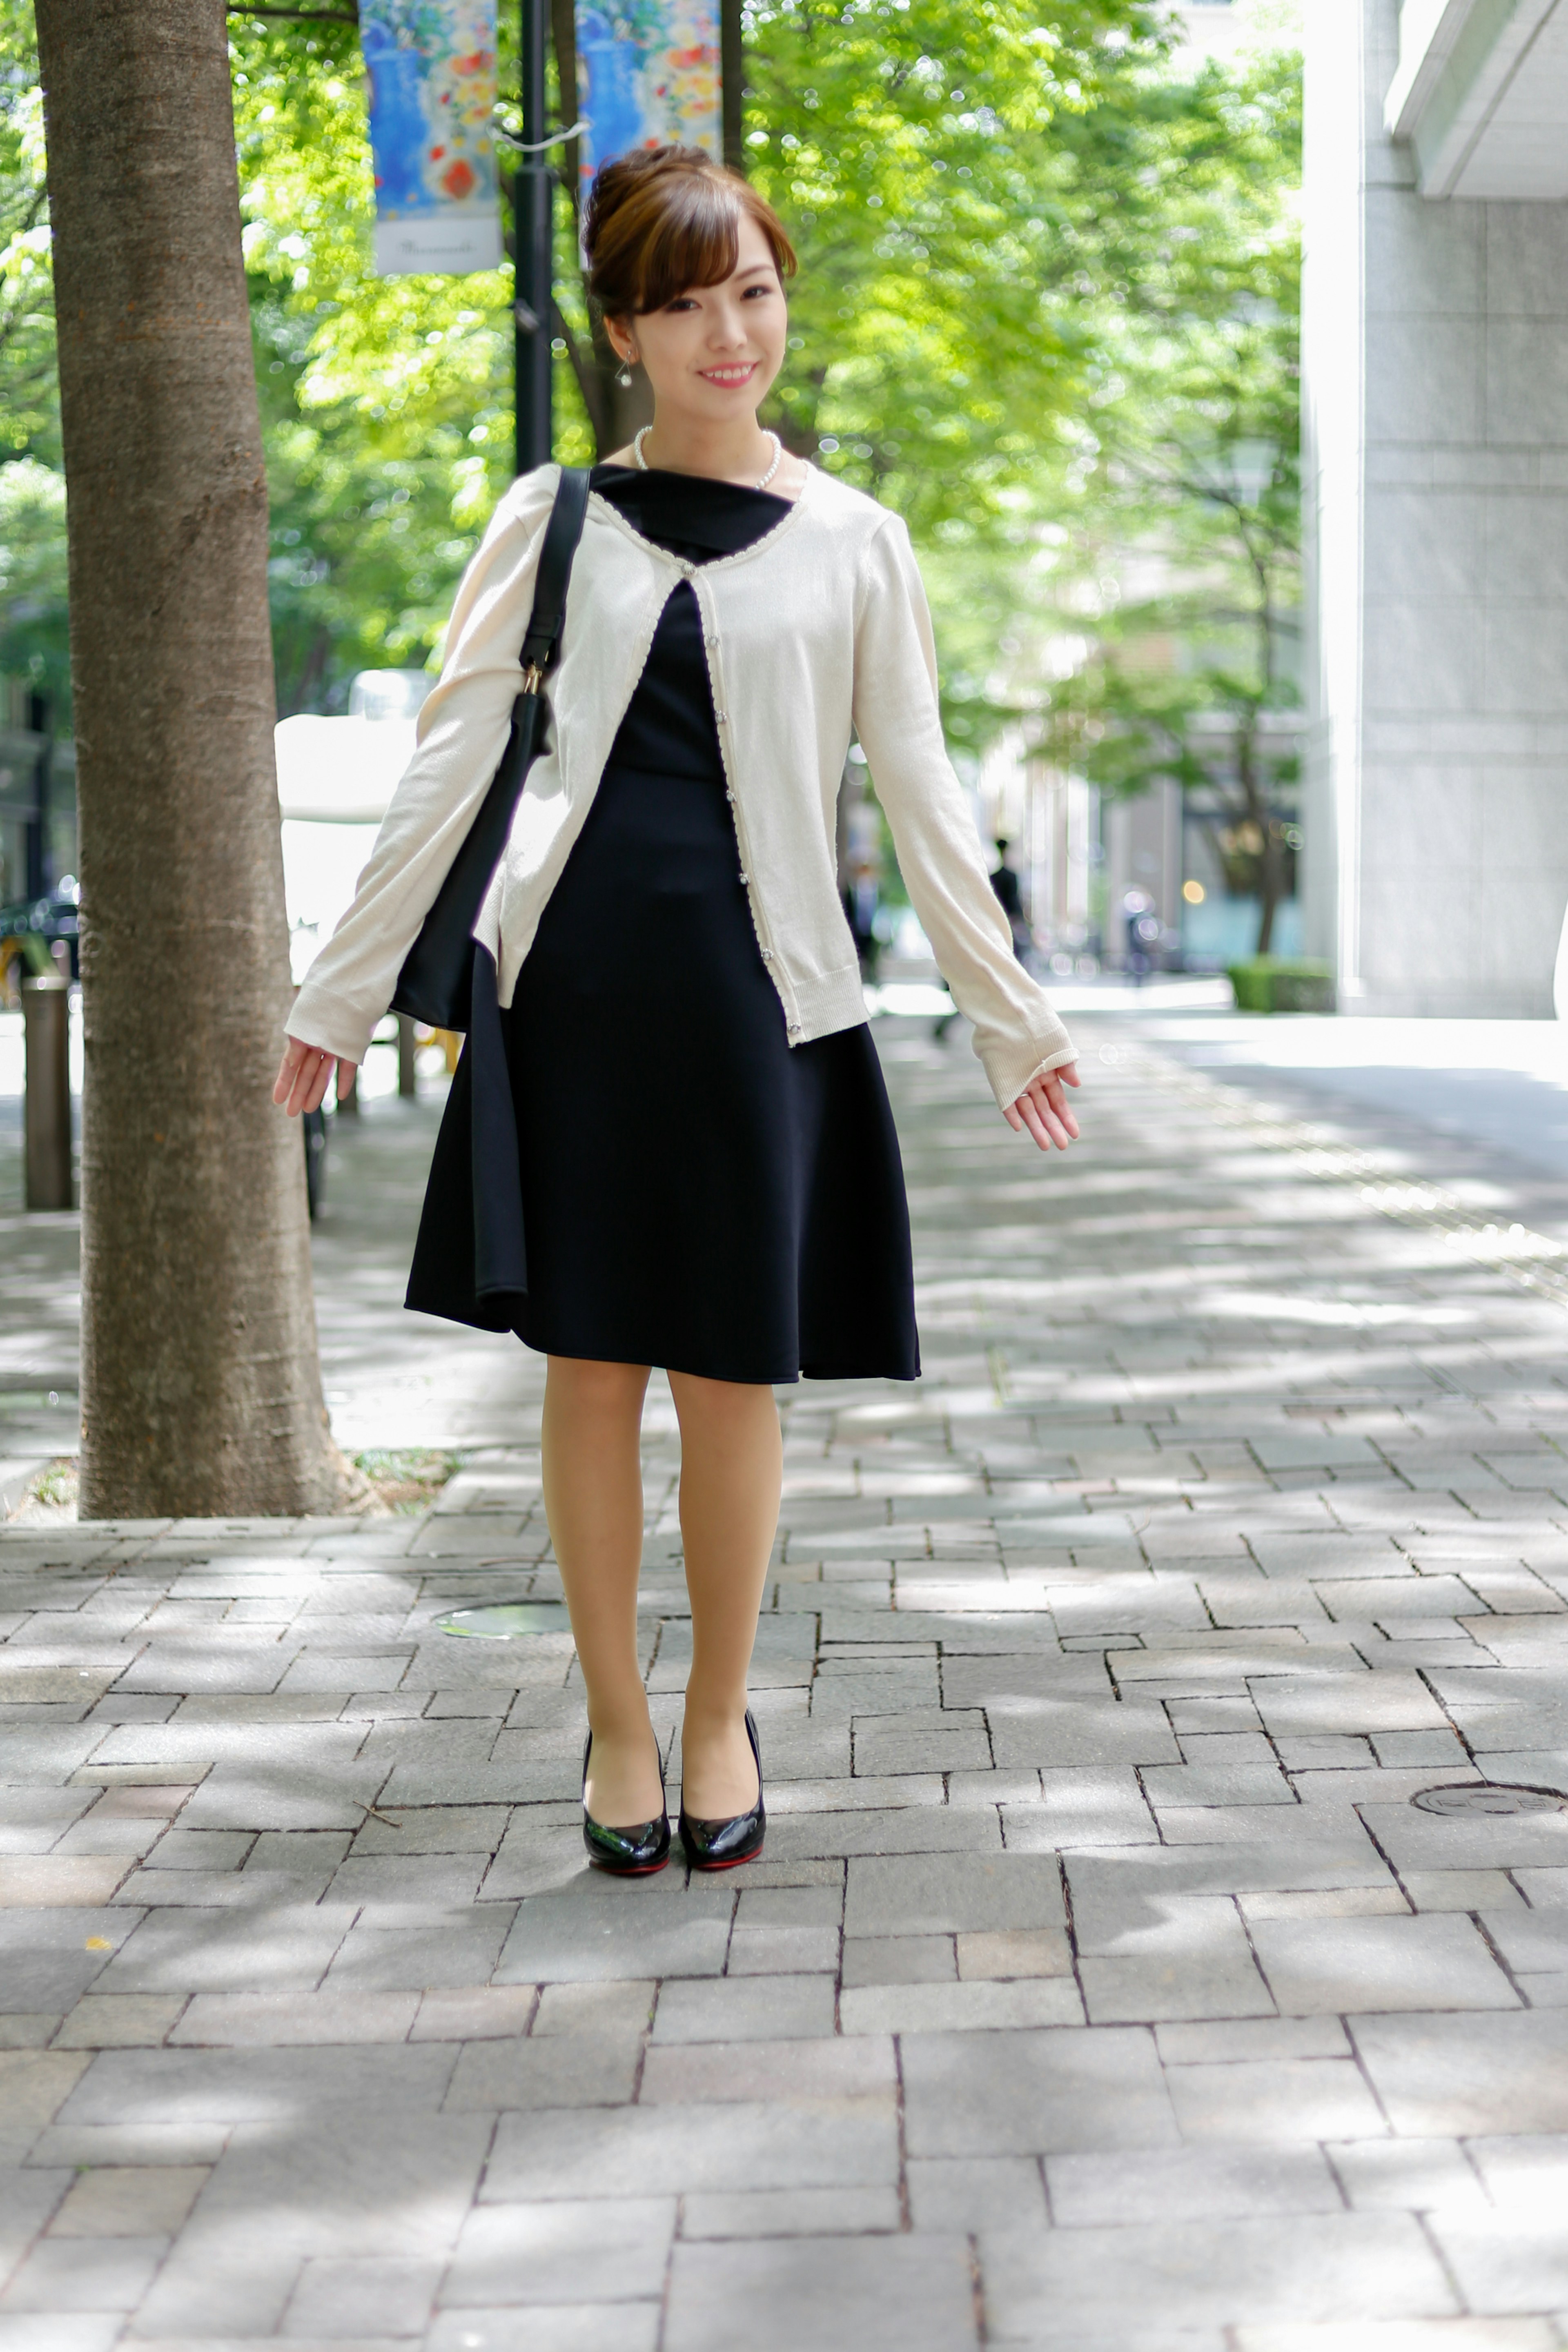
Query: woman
[(670, 1122)]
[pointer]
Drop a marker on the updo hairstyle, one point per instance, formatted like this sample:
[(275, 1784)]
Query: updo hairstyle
[(665, 218)]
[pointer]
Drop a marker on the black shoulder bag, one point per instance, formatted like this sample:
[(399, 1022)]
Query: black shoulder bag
[(437, 980)]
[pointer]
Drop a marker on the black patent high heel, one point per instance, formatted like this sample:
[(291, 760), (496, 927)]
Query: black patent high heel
[(633, 1852), (720, 1845)]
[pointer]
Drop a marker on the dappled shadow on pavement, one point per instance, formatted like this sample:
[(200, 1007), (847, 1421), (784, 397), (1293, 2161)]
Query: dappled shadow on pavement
[(1102, 1987)]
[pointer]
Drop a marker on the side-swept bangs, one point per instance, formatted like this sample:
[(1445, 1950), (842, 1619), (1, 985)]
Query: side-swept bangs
[(666, 219)]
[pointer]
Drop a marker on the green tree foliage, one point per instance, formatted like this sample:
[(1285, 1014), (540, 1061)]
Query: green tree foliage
[(32, 488), (385, 401), (1184, 571), (1043, 288), (964, 183)]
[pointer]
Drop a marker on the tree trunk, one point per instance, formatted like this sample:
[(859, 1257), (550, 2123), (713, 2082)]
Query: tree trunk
[(200, 1384), (1255, 802)]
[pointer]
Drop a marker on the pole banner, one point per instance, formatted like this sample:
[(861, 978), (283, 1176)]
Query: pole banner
[(651, 74), (432, 68)]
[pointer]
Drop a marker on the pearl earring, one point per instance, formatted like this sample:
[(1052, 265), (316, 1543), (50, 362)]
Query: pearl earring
[(624, 377)]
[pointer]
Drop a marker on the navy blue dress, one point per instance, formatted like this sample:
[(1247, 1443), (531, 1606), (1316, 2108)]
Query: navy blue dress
[(635, 1165)]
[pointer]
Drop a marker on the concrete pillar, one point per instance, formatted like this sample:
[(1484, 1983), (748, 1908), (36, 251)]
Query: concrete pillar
[(1436, 446)]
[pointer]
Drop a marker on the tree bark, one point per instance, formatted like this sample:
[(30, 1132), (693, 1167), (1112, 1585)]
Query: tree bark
[(200, 1383)]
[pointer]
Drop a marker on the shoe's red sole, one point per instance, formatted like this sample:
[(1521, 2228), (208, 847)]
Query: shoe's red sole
[(642, 1869), (740, 1862)]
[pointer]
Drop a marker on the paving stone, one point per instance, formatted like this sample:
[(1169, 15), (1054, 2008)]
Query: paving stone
[(1450, 2077), (1202, 2184), (453, 1948), (597, 2070), (840, 2295), (1264, 2101), (33, 2084), (273, 1947), (1404, 2335), (745, 2008), (27, 2028), (338, 2299), (1332, 1966), (603, 2006), (582, 2327), (1055, 2289), (775, 1951), (791, 2072), (477, 2014), (175, 2087), (1506, 2263), (947, 1893), (976, 2193), (1383, 1901), (263, 2020), (1035, 2094), (1015, 1952), (898, 1959), (119, 2021), (649, 2151), (960, 2008), (46, 1882), (543, 2253), (1412, 2175), (1260, 2037), (791, 2213), (77, 2331), (1529, 1940), (130, 2201), (581, 1934), (66, 2275)]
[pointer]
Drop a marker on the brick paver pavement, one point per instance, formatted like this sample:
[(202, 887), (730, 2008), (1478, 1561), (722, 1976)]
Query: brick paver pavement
[(1102, 1987)]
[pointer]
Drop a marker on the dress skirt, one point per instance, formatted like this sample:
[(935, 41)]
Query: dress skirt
[(635, 1165)]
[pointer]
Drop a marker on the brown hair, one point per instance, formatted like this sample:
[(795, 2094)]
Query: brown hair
[(665, 218)]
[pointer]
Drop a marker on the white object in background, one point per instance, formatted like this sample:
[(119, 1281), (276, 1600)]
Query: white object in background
[(335, 780), (340, 770), (1560, 974)]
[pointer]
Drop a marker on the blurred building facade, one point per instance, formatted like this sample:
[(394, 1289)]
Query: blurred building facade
[(1435, 366)]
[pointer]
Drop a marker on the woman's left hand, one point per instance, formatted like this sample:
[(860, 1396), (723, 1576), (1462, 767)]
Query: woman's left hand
[(1044, 1109)]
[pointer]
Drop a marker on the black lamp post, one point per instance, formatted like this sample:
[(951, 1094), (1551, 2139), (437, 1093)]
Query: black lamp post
[(532, 223)]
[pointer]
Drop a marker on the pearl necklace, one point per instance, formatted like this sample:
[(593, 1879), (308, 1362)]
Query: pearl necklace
[(778, 455)]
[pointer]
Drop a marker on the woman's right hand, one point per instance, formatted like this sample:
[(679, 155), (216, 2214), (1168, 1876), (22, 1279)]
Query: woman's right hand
[(302, 1076)]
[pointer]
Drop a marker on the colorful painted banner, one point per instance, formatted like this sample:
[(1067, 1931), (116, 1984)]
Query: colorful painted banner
[(432, 68), (650, 75)]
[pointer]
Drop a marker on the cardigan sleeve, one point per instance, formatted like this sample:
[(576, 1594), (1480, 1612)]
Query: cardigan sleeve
[(461, 734), (898, 718)]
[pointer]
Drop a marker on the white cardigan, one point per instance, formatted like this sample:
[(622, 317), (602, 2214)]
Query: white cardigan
[(820, 627)]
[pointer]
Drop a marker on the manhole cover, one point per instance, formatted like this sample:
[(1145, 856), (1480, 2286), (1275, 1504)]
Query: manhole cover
[(1466, 1798), (503, 1621)]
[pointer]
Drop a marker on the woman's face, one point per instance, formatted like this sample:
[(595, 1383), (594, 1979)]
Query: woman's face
[(712, 353)]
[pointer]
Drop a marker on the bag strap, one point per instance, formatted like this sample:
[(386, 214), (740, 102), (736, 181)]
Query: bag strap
[(564, 528)]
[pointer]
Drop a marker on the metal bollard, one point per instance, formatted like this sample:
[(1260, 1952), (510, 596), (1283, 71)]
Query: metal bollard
[(408, 1076), (46, 1022)]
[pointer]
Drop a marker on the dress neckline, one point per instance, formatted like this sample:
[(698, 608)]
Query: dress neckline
[(690, 514)]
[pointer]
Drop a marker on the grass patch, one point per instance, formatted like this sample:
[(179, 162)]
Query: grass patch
[(406, 1479)]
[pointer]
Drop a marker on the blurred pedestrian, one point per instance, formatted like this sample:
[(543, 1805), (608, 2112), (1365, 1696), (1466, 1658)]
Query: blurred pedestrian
[(670, 1093), (1010, 899)]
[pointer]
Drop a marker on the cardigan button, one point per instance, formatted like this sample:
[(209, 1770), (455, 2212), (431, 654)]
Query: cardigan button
[(746, 879)]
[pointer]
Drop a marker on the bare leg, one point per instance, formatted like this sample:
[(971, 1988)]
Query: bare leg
[(594, 1500), (732, 1467)]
